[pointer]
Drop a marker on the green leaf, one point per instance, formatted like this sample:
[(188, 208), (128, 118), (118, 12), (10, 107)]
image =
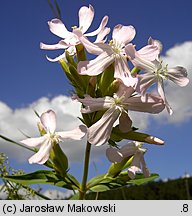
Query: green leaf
[(38, 177), (100, 188), (96, 180), (75, 196), (73, 180), (140, 179), (45, 177), (116, 168), (100, 185)]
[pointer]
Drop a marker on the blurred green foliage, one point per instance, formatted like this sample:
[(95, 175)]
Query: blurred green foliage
[(177, 189)]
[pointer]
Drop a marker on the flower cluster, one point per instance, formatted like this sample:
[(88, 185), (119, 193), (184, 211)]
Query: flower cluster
[(117, 80)]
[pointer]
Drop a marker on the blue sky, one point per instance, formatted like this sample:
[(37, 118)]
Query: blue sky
[(29, 80)]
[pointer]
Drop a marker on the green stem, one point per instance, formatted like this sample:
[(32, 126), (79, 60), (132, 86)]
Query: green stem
[(83, 187)]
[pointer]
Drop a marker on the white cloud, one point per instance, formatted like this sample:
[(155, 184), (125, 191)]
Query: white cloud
[(57, 195)]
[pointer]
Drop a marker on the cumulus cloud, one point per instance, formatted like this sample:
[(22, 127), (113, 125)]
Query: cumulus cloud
[(57, 195)]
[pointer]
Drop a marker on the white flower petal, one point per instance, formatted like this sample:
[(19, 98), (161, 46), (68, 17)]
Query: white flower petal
[(125, 91), (150, 103), (86, 15), (123, 73), (157, 43), (132, 170), (62, 56), (149, 52), (93, 48), (101, 27), (60, 45), (123, 34), (138, 61), (101, 36), (48, 120), (76, 134), (129, 149), (135, 165), (94, 104), (96, 66), (178, 75), (145, 170), (58, 28), (34, 142), (99, 133), (125, 123), (114, 155), (162, 94), (43, 154), (144, 82)]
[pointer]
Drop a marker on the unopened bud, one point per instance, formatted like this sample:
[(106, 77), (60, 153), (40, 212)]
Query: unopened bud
[(154, 140), (113, 87), (91, 86)]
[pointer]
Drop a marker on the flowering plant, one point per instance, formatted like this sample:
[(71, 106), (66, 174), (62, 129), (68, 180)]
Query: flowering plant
[(118, 80)]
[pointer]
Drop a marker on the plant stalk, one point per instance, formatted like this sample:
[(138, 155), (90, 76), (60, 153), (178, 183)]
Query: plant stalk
[(83, 188)]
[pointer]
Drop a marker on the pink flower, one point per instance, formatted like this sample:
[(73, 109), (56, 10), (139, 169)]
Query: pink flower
[(69, 39), (147, 59), (46, 142), (117, 107), (113, 52), (131, 149)]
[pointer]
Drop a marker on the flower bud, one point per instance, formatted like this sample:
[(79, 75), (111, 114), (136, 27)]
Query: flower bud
[(154, 140)]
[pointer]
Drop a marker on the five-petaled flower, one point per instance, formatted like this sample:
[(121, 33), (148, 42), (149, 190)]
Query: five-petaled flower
[(154, 71), (114, 52), (46, 142), (117, 107), (134, 149), (69, 39)]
